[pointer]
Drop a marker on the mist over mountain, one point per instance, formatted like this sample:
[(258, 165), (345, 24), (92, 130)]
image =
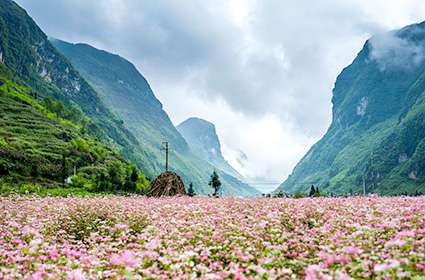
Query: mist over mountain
[(377, 137)]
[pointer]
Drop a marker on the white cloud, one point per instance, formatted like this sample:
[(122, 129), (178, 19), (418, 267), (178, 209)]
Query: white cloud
[(391, 50)]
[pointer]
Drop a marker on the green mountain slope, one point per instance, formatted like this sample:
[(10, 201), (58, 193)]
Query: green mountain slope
[(126, 92), (203, 140), (377, 135), (27, 52), (38, 146)]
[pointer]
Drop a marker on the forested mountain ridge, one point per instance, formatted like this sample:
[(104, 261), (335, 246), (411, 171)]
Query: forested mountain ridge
[(40, 146), (27, 52), (376, 140)]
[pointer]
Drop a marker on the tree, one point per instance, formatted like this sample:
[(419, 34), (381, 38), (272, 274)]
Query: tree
[(317, 193), (131, 178), (116, 174), (191, 191), (215, 183), (312, 191)]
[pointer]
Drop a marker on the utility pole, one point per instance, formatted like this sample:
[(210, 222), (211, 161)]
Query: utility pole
[(364, 173), (63, 170), (166, 154), (372, 167)]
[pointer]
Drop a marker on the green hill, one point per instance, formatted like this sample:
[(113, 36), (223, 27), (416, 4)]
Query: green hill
[(27, 52), (38, 145), (377, 135)]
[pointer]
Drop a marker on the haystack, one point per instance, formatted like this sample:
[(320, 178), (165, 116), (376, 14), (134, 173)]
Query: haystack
[(167, 184)]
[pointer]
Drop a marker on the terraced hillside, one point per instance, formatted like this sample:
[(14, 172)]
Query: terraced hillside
[(38, 145)]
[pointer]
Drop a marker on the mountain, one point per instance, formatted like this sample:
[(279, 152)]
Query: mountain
[(50, 117), (127, 93), (202, 138), (377, 135), (28, 53), (39, 144)]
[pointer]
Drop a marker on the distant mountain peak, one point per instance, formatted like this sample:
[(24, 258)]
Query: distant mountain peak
[(201, 135)]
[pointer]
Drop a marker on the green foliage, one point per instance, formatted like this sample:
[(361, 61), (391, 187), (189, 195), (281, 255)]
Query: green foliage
[(298, 195), (79, 181), (191, 190), (314, 191), (36, 147), (40, 190), (215, 183), (53, 85), (136, 180), (3, 142)]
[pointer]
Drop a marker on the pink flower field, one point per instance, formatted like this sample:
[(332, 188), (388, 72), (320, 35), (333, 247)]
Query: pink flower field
[(212, 238)]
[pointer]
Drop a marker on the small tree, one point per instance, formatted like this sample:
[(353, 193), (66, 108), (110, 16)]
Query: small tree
[(317, 192), (131, 178), (312, 191), (191, 191), (215, 183)]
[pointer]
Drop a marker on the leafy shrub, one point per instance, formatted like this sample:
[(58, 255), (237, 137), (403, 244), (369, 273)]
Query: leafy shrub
[(79, 181), (299, 195)]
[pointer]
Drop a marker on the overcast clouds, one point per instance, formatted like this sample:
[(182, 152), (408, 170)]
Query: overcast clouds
[(262, 71)]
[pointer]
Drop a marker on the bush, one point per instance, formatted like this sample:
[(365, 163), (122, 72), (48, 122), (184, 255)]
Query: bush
[(299, 195), (79, 181)]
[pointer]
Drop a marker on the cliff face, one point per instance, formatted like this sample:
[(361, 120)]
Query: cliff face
[(202, 138), (377, 135)]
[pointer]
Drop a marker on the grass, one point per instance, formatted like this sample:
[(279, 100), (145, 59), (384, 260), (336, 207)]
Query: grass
[(43, 191)]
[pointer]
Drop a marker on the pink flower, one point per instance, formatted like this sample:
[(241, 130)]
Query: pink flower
[(127, 258), (329, 260), (76, 274), (313, 272), (38, 275), (352, 250), (153, 244), (396, 243), (53, 254)]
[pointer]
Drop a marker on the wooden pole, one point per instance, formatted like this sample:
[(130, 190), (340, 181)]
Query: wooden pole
[(166, 155)]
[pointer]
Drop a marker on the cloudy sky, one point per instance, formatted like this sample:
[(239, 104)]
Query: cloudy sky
[(262, 71)]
